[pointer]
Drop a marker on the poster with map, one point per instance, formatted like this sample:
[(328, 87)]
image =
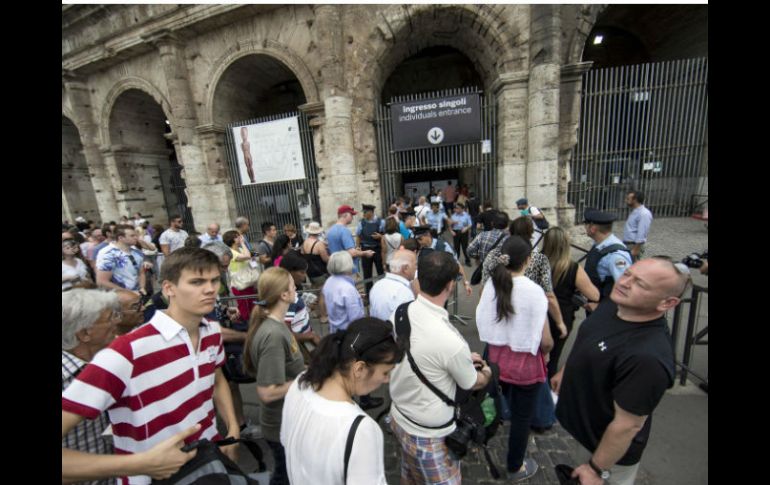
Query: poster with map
[(269, 152)]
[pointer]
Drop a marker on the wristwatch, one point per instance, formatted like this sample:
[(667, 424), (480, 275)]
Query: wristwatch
[(603, 474)]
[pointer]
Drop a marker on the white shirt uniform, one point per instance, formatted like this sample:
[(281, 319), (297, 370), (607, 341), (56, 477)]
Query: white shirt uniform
[(388, 294)]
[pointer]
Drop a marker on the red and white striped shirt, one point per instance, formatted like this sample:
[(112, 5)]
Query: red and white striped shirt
[(152, 384)]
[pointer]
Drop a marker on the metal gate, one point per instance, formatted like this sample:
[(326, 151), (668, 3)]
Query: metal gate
[(288, 202), (642, 127), (174, 195), (469, 155)]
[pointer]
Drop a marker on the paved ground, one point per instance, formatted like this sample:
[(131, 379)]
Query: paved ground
[(677, 452)]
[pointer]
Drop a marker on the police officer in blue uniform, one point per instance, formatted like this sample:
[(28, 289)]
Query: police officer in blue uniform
[(609, 257), (370, 231)]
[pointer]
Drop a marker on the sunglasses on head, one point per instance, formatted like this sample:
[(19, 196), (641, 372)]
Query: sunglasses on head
[(361, 352)]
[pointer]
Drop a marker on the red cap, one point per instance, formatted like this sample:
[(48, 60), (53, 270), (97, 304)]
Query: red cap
[(346, 208)]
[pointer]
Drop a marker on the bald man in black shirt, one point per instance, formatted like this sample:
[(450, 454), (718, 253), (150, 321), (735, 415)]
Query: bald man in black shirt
[(620, 366)]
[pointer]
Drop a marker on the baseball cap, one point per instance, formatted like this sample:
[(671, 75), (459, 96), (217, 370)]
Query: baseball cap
[(346, 208)]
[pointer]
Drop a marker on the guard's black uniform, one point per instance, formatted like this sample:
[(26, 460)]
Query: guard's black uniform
[(614, 360), (368, 228)]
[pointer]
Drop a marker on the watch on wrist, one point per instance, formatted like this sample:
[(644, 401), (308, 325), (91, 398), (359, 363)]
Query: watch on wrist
[(603, 474)]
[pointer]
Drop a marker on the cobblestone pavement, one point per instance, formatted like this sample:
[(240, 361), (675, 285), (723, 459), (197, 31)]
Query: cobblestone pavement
[(674, 237)]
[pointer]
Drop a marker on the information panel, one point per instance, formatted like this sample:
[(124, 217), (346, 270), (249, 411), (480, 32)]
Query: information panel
[(269, 152), (436, 122)]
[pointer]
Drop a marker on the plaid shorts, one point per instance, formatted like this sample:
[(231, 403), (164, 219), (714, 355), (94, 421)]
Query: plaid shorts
[(425, 460)]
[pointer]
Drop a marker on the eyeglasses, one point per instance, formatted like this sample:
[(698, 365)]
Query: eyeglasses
[(136, 307)]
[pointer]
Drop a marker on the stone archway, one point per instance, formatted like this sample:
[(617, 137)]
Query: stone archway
[(489, 37), (274, 56), (141, 157), (78, 197), (257, 86)]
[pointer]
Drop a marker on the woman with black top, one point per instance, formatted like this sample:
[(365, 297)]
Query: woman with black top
[(567, 276), (314, 250)]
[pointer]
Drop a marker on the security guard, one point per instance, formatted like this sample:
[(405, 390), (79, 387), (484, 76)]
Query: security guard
[(609, 257), (369, 233), (424, 236)]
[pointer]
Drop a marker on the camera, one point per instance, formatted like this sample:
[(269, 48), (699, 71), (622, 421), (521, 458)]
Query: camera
[(695, 260), (466, 431)]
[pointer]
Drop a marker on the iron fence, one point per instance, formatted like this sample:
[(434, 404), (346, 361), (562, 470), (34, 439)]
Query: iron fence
[(468, 155), (642, 127)]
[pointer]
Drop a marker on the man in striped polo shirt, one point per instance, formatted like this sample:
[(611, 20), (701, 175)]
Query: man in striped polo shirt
[(158, 390)]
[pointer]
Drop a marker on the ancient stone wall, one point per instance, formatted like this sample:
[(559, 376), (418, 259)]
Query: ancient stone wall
[(194, 64)]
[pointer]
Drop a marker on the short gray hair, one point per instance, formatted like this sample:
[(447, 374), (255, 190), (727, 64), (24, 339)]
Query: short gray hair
[(241, 221), (219, 248), (80, 309), (339, 263)]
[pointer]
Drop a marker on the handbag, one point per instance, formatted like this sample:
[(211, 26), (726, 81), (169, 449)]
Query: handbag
[(245, 278), (479, 271), (541, 224)]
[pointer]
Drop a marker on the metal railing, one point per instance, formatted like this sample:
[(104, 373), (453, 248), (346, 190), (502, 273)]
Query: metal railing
[(691, 338)]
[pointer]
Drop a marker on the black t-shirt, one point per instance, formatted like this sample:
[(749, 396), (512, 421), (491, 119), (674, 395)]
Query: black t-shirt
[(473, 206), (487, 218), (614, 360)]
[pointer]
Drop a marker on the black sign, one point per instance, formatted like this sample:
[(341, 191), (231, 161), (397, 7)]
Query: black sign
[(436, 122)]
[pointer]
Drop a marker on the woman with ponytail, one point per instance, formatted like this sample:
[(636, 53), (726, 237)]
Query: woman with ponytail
[(511, 318), (273, 357), (319, 409)]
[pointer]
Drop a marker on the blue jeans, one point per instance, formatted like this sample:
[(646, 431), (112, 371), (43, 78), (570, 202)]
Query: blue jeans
[(521, 399), (280, 475)]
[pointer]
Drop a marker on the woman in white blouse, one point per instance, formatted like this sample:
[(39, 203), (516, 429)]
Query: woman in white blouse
[(73, 270), (512, 318), (319, 408)]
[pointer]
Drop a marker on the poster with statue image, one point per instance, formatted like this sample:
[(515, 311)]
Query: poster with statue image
[(269, 152)]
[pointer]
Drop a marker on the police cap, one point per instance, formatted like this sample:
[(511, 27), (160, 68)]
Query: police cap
[(420, 230), (595, 216), (368, 207)]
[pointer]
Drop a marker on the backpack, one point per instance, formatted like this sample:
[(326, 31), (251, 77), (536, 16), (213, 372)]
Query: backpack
[(212, 467), (541, 224), (477, 413)]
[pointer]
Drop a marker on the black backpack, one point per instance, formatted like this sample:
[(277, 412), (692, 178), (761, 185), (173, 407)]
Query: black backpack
[(469, 405), (212, 467)]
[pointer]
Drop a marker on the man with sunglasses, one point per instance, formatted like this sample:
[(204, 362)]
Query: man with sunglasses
[(620, 366), (120, 264)]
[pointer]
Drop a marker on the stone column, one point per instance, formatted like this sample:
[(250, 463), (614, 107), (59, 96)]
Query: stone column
[(571, 84), (337, 171), (206, 195), (543, 123), (80, 100), (510, 91), (212, 140)]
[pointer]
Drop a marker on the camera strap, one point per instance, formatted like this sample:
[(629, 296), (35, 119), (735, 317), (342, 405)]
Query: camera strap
[(404, 331)]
